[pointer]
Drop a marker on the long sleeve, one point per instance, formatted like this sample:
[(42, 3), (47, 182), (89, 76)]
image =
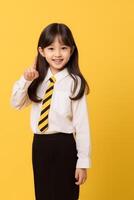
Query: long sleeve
[(19, 96), (82, 128)]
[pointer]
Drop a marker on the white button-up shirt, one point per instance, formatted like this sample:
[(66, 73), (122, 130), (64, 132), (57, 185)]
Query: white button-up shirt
[(65, 115)]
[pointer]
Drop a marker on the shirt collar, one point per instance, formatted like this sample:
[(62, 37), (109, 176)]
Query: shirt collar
[(59, 75)]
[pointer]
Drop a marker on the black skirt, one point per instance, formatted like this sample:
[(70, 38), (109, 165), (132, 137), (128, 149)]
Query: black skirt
[(54, 158)]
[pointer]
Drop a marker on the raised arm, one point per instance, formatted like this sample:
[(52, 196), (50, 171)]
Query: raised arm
[(19, 96)]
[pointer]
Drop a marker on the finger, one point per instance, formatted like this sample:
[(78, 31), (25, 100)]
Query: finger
[(35, 59), (30, 73), (78, 180), (34, 71), (76, 174), (35, 62), (36, 74), (81, 179)]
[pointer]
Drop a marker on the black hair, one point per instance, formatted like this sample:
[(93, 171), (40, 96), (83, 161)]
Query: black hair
[(47, 37)]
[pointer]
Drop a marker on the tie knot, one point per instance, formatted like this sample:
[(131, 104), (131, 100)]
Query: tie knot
[(52, 79)]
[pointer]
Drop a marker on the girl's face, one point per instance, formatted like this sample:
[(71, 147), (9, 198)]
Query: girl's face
[(57, 55)]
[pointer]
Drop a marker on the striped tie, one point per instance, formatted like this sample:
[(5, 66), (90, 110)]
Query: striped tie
[(43, 120)]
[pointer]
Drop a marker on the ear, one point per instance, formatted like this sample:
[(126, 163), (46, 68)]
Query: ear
[(72, 50), (41, 51)]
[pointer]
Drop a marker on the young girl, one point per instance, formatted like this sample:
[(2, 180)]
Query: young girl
[(54, 85)]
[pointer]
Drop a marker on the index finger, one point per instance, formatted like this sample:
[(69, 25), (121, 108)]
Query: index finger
[(35, 62)]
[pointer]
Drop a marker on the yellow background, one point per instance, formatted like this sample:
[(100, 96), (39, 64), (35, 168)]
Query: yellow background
[(103, 31)]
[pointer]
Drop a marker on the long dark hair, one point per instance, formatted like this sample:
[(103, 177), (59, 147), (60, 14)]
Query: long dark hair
[(46, 38)]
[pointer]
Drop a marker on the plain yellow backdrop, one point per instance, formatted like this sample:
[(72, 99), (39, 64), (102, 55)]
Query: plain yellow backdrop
[(103, 31)]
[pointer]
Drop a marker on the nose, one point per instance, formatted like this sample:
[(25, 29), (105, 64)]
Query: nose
[(57, 53)]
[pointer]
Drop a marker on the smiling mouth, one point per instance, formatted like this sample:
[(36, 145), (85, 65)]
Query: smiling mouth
[(57, 60)]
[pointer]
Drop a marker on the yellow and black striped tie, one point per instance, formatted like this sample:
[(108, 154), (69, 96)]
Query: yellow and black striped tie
[(43, 120)]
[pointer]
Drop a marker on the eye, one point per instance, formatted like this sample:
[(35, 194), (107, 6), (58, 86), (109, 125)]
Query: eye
[(64, 47), (50, 48)]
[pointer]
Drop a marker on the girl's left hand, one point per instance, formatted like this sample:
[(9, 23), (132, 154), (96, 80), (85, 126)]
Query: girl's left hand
[(80, 175)]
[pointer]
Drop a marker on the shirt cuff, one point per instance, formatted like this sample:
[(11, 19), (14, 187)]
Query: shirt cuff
[(83, 163), (24, 83)]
